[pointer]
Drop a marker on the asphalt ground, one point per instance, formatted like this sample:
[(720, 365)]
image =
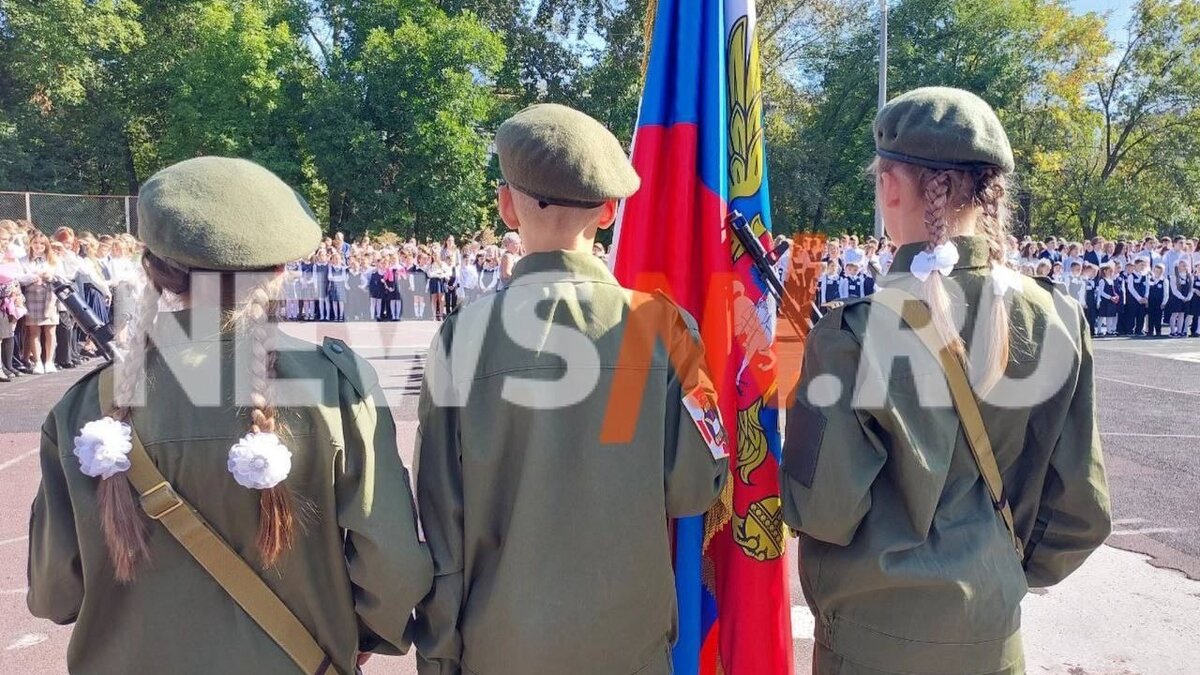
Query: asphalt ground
[(1149, 409), (1118, 615)]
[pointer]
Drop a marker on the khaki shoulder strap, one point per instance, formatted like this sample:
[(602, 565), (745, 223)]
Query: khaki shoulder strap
[(916, 315), (162, 503)]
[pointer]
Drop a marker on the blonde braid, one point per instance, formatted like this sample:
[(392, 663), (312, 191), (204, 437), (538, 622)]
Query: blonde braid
[(936, 187), (277, 522), (121, 519), (991, 196), (937, 194)]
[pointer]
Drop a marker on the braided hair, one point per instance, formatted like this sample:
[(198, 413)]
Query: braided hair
[(123, 524), (947, 192)]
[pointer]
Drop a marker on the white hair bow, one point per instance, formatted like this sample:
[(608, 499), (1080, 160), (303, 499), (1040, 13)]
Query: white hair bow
[(942, 259), (1004, 280)]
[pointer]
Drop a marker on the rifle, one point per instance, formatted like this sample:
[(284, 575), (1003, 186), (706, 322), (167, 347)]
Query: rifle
[(100, 332), (764, 261)]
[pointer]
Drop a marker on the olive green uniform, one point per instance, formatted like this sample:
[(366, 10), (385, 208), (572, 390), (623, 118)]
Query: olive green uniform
[(355, 573), (551, 546), (904, 562)]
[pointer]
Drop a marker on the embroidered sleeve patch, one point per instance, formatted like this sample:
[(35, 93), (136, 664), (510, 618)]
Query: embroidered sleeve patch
[(805, 434), (703, 409)]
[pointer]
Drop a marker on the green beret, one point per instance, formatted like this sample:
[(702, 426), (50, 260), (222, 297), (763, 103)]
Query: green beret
[(562, 157), (217, 213), (942, 128)]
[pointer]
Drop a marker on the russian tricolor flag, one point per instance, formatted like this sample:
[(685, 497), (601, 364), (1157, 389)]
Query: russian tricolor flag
[(699, 149)]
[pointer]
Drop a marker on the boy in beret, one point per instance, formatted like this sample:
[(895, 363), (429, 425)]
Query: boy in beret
[(549, 462)]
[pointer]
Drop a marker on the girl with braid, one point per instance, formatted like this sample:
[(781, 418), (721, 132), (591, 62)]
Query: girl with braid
[(926, 515), (192, 434)]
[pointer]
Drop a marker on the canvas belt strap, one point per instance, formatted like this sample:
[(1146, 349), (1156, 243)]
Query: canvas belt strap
[(916, 315), (162, 503)]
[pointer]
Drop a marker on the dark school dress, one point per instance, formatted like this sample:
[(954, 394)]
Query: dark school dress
[(419, 287), (321, 279), (337, 283), (375, 288), (1110, 299), (308, 281), (859, 286), (393, 290), (829, 288), (358, 304), (437, 285), (1179, 287)]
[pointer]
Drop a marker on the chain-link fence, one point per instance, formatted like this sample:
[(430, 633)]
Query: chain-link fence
[(98, 214)]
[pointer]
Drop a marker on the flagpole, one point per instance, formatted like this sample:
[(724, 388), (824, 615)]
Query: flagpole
[(883, 60)]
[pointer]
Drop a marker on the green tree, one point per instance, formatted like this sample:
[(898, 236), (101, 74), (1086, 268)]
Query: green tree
[(397, 115), (1136, 167), (58, 61)]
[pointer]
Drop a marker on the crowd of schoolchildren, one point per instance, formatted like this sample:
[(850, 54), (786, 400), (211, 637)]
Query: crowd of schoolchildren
[(1132, 288), (36, 335), (371, 281)]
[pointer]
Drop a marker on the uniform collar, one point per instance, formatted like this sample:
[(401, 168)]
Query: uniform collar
[(973, 253), (576, 264)]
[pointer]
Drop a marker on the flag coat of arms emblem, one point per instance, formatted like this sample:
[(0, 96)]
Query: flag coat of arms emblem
[(700, 150)]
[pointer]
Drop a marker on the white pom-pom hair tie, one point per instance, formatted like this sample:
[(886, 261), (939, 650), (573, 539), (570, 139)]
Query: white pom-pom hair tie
[(260, 461), (942, 259), (103, 446)]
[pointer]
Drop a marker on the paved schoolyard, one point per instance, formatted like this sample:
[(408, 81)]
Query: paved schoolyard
[(1119, 615)]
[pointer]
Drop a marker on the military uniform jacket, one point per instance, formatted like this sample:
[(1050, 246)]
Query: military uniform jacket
[(905, 563), (555, 443), (352, 579)]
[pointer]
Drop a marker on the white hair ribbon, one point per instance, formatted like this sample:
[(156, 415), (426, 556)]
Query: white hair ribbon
[(942, 259)]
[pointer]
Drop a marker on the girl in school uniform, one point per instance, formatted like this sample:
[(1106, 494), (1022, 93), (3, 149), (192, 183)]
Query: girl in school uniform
[(393, 299), (439, 280), (321, 284), (489, 274), (308, 290), (419, 275), (1109, 301), (338, 275), (1157, 295), (1181, 295), (291, 290), (856, 284), (357, 301), (39, 270), (377, 288), (1125, 317), (829, 288), (405, 285), (1076, 284)]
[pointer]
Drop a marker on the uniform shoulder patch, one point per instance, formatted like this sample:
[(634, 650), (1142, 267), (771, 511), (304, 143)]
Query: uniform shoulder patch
[(353, 367), (702, 406), (805, 435)]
